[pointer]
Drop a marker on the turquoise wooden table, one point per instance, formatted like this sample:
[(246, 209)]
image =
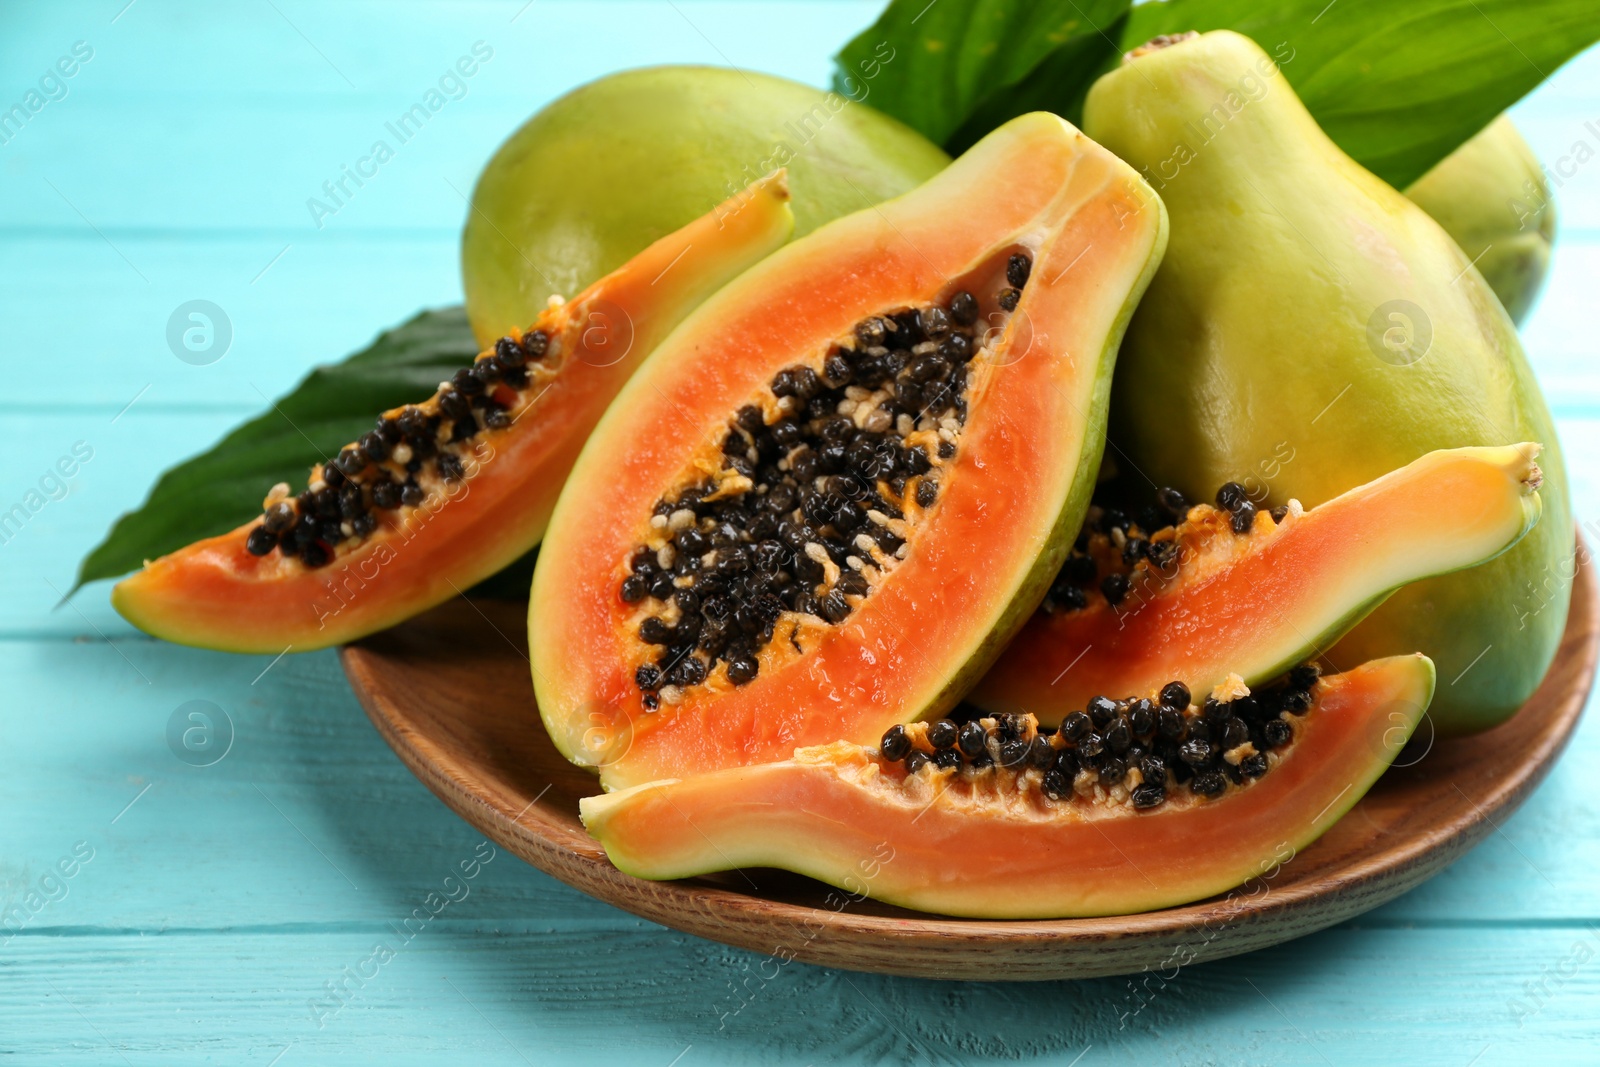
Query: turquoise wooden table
[(228, 913)]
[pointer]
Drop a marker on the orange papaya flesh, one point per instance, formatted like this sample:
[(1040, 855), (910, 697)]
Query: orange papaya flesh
[(995, 841), (726, 578), (444, 493), (1247, 591)]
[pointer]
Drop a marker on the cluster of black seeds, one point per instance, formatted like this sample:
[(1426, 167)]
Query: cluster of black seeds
[(1152, 748), (1115, 540), (379, 472), (812, 503)]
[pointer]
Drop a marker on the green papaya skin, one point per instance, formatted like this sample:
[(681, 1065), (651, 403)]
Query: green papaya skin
[(599, 174), (1493, 198), (1310, 329)]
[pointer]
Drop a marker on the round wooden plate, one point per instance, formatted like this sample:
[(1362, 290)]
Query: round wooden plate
[(450, 692)]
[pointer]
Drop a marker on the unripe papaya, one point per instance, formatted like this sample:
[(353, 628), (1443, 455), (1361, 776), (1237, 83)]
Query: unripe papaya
[(1310, 329), (1492, 196), (584, 185)]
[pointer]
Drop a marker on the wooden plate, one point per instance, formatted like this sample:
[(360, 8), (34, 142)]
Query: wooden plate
[(450, 693)]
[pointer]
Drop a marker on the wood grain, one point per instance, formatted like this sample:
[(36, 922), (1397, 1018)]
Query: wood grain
[(450, 693)]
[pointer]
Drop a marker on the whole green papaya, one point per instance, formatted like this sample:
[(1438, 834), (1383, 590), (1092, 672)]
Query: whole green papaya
[(597, 175), (1492, 196), (1310, 329)]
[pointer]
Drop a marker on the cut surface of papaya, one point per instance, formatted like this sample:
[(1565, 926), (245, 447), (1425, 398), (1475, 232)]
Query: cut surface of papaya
[(825, 502), (445, 493), (1022, 824), (1234, 588)]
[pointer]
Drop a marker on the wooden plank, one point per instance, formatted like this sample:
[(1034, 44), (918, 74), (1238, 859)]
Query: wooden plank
[(1440, 995), (316, 304), (170, 82)]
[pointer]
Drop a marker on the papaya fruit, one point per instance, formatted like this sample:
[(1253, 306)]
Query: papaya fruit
[(827, 500), (1311, 329), (1492, 197), (442, 494), (1154, 804), (594, 177), (1204, 591)]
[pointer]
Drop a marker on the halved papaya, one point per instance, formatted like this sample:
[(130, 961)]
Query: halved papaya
[(937, 824), (1234, 588), (442, 494), (826, 501)]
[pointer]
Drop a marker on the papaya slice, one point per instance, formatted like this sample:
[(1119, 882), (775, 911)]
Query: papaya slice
[(826, 501), (1028, 825), (442, 494), (1234, 588)]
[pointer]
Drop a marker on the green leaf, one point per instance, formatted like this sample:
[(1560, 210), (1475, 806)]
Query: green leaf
[(935, 65), (1058, 84), (1398, 84), (223, 486)]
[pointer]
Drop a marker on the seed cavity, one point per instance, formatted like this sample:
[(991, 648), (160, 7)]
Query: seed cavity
[(411, 453), (1124, 551), (821, 482), (1139, 752)]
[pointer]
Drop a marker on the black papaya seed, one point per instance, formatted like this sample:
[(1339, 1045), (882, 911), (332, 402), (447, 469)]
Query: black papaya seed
[(1175, 695), (1149, 796), (1119, 736), (1276, 732), (896, 743), (942, 734), (964, 308), (261, 541), (1101, 709), (742, 670), (1304, 676), (1232, 496), (973, 740), (1141, 717), (279, 517), (1169, 723), (1018, 267)]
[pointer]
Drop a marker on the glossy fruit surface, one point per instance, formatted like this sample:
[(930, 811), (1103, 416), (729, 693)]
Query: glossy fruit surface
[(1311, 329), (1492, 196), (1012, 488), (473, 503), (1259, 602), (595, 176), (992, 844)]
